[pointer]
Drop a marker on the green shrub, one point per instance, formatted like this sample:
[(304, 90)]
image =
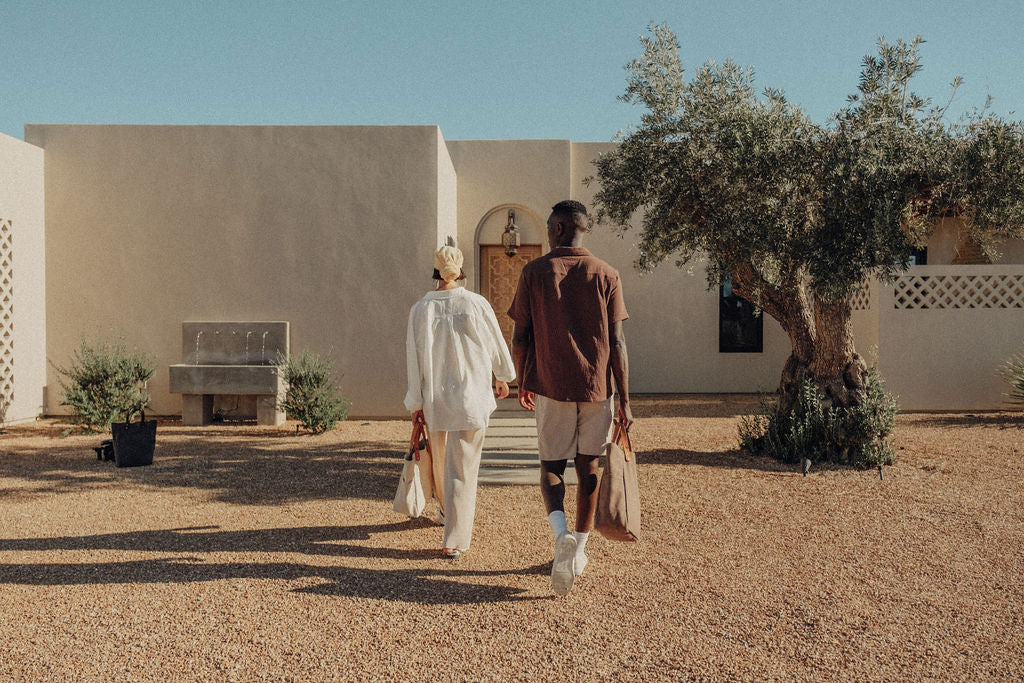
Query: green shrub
[(812, 429), (105, 383), (311, 397), (1013, 373)]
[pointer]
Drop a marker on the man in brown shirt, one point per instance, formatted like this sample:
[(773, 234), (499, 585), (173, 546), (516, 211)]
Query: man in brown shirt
[(569, 347)]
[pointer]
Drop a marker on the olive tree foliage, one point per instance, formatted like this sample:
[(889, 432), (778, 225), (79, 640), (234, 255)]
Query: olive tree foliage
[(799, 214)]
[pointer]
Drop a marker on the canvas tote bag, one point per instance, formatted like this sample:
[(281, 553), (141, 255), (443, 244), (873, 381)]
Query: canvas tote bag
[(618, 495), (409, 498)]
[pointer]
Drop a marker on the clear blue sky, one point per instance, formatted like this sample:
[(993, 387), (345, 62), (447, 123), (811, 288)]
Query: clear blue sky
[(478, 69)]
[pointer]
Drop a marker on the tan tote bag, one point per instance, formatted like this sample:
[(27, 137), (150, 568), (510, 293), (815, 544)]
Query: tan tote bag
[(618, 496), (409, 498)]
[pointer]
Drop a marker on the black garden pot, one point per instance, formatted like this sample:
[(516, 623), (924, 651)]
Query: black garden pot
[(134, 442)]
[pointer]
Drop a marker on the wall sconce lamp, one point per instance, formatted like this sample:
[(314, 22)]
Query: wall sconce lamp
[(510, 238)]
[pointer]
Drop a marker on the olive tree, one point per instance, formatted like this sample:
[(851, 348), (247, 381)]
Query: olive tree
[(799, 214)]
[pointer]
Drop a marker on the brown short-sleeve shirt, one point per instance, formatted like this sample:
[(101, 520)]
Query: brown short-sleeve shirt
[(571, 299)]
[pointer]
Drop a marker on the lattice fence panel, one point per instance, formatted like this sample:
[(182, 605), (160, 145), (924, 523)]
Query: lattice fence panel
[(959, 291), (6, 316), (860, 300)]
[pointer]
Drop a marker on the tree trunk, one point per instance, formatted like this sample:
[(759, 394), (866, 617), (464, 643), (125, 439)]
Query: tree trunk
[(820, 334), (838, 370)]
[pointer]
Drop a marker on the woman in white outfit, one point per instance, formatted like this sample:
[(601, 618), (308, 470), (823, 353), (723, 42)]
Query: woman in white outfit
[(453, 347)]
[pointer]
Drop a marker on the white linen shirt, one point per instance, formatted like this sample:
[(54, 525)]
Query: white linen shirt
[(453, 345)]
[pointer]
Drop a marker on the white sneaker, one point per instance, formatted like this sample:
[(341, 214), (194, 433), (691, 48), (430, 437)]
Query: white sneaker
[(579, 565), (563, 566)]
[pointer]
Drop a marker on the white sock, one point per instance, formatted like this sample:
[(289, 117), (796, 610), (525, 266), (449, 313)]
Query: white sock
[(581, 541), (557, 521)]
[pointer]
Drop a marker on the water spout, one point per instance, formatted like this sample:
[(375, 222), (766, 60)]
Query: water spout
[(263, 350), (200, 334), (247, 335)]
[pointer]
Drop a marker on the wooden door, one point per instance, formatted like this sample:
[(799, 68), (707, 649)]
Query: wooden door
[(499, 275)]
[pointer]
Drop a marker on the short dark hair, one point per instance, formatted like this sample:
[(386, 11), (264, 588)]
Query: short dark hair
[(573, 213)]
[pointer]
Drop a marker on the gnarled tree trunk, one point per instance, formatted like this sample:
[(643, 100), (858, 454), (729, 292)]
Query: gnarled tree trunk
[(820, 333)]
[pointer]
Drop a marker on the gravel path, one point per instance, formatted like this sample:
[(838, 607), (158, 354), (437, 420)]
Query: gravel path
[(247, 553)]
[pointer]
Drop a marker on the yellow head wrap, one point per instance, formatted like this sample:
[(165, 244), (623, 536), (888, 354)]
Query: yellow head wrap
[(448, 262)]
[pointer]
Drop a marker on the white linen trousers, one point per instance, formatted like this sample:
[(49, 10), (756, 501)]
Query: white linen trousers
[(459, 453), (453, 345)]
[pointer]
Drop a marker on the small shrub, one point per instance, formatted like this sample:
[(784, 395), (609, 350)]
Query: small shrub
[(1013, 373), (812, 429), (311, 397), (105, 383)]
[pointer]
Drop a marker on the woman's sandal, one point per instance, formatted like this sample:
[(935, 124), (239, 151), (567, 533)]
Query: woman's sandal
[(451, 553)]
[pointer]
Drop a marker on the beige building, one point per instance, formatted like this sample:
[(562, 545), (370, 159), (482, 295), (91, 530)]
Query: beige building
[(332, 230)]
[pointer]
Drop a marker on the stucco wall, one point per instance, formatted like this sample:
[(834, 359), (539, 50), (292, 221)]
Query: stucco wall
[(943, 354), (864, 318), (672, 332), (323, 227), (21, 202), (944, 240), (673, 328), (447, 198), (529, 175)]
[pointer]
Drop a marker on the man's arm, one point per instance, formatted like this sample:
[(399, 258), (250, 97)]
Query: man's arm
[(522, 342), (620, 371)]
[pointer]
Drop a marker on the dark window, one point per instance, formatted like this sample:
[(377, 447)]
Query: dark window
[(919, 257), (740, 330)]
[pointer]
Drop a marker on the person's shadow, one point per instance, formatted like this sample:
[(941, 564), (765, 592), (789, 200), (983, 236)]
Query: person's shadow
[(419, 585)]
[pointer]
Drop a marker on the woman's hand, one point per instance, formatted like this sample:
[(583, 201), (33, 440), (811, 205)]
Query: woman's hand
[(500, 389), (417, 416)]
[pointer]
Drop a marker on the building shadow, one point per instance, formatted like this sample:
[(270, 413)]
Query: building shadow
[(249, 471), (734, 459), (695, 405)]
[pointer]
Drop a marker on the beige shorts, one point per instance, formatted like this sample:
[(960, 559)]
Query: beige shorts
[(565, 428)]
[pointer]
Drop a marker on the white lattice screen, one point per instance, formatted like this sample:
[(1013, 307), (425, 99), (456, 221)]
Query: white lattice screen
[(959, 291), (6, 316)]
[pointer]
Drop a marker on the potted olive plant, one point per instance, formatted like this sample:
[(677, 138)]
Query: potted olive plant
[(105, 383)]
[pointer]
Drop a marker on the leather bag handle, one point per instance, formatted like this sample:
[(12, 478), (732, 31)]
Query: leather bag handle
[(419, 431), (620, 435)]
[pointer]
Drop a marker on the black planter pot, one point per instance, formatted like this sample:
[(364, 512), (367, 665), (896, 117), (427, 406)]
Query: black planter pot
[(134, 442)]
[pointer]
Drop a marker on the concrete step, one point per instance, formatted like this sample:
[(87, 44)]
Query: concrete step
[(502, 475), (525, 431), (496, 422), (526, 458), (511, 443)]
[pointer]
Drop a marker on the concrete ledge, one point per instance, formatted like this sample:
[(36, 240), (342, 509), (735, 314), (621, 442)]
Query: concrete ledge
[(243, 380)]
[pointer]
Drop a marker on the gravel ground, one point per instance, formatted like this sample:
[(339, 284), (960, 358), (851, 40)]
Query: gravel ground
[(247, 553)]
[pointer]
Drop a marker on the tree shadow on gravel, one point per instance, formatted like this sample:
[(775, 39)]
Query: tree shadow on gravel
[(418, 585), (421, 586), (240, 470), (316, 540), (958, 420)]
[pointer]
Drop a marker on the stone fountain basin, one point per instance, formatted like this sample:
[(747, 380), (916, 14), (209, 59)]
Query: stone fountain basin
[(225, 379)]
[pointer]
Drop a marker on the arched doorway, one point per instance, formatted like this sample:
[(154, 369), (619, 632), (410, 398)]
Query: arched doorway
[(498, 273)]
